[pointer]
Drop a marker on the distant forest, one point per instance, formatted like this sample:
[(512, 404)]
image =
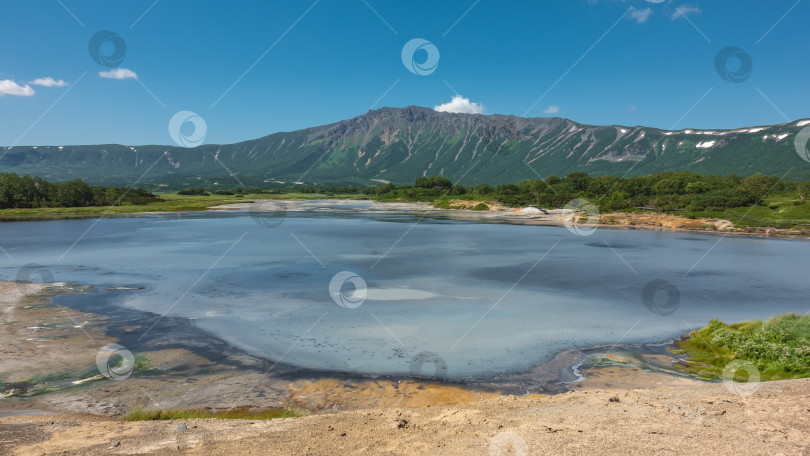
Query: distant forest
[(666, 191), (32, 192)]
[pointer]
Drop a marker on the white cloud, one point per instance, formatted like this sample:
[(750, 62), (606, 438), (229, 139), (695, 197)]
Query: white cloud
[(460, 104), (49, 82), (553, 109), (641, 15), (9, 87), (118, 73), (684, 10)]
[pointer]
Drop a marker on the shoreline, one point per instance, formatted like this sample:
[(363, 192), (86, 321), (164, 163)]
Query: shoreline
[(649, 221), (177, 349), (617, 406)]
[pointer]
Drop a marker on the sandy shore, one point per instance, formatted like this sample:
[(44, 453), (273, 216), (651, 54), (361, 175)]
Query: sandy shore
[(615, 409), (686, 419)]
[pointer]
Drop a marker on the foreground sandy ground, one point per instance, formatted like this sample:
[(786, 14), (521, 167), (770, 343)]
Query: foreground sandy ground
[(692, 419), (618, 409)]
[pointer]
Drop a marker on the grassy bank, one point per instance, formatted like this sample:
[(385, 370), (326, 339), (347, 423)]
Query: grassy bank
[(756, 202), (778, 347), (777, 211), (171, 202)]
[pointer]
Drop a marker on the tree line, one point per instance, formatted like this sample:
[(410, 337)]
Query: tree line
[(665, 191), (32, 192), (308, 189)]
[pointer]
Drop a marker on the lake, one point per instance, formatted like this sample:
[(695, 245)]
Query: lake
[(447, 298)]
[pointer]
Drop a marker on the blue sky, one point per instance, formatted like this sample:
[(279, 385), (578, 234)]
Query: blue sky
[(593, 61)]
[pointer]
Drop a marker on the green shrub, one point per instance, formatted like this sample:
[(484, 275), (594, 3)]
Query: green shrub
[(194, 191), (779, 347), (443, 203)]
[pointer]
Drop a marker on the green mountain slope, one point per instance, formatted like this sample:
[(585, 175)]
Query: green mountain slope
[(399, 144)]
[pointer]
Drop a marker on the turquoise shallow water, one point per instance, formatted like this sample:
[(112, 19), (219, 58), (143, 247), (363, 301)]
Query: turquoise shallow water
[(483, 298)]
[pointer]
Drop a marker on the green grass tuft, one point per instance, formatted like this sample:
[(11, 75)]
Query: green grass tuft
[(232, 414)]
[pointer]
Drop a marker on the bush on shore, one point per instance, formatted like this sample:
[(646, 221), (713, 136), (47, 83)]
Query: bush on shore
[(778, 347)]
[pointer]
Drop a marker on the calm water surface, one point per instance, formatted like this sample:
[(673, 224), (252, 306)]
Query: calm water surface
[(486, 298)]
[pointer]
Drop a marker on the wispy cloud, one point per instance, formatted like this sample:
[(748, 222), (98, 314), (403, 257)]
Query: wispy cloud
[(685, 10), (9, 87), (460, 104), (553, 109), (48, 82), (118, 73), (641, 15)]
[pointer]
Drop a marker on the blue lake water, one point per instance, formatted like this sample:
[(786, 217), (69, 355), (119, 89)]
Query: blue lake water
[(486, 298)]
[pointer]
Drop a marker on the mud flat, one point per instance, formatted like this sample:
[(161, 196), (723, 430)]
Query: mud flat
[(50, 353), (50, 361), (608, 400)]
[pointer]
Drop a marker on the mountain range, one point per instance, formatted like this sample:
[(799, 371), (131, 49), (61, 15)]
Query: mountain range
[(400, 144)]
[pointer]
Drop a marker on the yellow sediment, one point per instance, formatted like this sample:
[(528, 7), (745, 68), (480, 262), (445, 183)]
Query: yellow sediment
[(338, 394)]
